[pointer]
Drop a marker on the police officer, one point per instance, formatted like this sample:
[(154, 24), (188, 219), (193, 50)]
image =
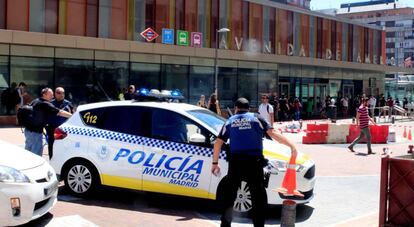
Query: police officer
[(245, 131), (55, 121)]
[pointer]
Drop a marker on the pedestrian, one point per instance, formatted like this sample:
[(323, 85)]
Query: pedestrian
[(283, 108), (382, 103), (42, 111), (55, 121), (390, 105), (246, 161), (265, 109), (371, 103), (363, 119), (21, 91), (345, 105), (10, 98), (405, 103), (213, 104), (130, 94), (202, 101), (297, 108), (273, 100)]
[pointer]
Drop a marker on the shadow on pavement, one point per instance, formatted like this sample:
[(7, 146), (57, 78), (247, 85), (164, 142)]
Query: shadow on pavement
[(40, 222), (184, 208)]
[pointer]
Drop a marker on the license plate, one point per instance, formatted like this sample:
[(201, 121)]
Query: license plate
[(51, 189)]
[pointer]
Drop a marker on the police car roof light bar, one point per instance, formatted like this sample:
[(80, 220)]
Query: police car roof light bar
[(155, 95)]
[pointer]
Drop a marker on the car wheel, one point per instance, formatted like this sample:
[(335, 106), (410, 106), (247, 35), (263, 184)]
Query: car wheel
[(81, 178), (242, 203)]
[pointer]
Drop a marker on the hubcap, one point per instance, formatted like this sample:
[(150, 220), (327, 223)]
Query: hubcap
[(79, 179), (243, 201)]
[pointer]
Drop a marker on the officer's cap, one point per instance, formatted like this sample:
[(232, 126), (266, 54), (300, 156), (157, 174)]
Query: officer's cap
[(242, 103)]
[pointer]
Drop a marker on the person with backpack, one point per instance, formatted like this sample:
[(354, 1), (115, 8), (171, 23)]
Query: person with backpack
[(55, 121), (266, 110), (42, 110)]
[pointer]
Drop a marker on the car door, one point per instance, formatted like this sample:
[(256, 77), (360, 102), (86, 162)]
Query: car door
[(175, 165), (117, 147)]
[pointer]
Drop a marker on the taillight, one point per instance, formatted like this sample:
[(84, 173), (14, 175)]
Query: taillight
[(59, 134)]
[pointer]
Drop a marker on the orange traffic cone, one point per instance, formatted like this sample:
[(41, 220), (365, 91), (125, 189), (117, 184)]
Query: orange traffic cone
[(405, 132), (409, 134), (289, 181)]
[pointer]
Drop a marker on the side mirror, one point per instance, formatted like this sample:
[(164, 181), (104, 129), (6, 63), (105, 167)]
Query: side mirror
[(197, 138)]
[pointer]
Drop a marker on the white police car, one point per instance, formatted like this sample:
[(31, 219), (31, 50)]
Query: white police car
[(161, 147)]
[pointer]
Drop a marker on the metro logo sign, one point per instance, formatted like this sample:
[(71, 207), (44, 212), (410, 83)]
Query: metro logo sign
[(149, 34)]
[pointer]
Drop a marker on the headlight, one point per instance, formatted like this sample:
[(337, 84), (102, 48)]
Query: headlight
[(10, 175), (280, 166)]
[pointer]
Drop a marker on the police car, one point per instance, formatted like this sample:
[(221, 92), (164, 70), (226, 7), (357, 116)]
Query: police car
[(159, 146)]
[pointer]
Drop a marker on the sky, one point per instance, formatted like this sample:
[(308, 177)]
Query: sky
[(328, 4)]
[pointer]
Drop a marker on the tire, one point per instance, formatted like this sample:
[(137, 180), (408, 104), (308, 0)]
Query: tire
[(81, 178)]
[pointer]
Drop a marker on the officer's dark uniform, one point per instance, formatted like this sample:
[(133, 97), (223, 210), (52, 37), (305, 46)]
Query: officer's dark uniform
[(245, 131), (56, 121)]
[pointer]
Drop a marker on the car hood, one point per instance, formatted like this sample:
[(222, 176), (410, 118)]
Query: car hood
[(275, 150), (17, 157)]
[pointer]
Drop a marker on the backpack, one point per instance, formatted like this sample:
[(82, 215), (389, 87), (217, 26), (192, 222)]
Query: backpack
[(25, 116)]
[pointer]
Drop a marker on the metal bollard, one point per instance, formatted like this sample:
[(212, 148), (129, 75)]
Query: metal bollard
[(288, 213)]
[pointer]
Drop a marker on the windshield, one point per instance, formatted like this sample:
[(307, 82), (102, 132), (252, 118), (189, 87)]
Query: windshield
[(209, 118)]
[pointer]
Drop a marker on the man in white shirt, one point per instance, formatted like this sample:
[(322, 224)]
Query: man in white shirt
[(345, 104), (372, 102), (266, 110)]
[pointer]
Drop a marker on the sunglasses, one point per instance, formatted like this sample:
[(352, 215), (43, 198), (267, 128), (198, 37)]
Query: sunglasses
[(60, 93)]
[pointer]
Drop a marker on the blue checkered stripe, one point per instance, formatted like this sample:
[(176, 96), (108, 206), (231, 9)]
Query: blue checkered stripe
[(127, 138)]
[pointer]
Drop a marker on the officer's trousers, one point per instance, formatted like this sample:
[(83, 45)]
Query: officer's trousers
[(250, 170)]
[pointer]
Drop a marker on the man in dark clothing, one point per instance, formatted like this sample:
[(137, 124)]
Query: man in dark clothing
[(42, 111), (245, 131), (130, 94), (55, 121)]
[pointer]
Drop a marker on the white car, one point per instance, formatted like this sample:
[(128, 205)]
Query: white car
[(159, 147), (28, 185)]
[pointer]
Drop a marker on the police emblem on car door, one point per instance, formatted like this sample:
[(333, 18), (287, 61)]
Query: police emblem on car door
[(175, 162)]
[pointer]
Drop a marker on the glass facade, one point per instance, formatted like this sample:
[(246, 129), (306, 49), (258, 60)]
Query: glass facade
[(254, 27), (87, 81)]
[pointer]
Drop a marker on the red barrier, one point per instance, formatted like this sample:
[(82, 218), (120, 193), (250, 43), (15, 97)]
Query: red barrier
[(315, 134), (379, 134)]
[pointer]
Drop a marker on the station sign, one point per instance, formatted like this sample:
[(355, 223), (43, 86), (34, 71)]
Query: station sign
[(196, 39), (149, 34), (182, 38), (168, 36)]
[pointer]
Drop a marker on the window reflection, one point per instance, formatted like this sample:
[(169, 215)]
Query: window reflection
[(76, 76), (37, 73), (201, 82), (110, 78)]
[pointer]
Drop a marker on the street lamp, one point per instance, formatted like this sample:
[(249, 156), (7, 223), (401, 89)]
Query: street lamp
[(221, 30)]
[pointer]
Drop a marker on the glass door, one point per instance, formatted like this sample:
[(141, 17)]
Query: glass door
[(348, 90), (284, 89)]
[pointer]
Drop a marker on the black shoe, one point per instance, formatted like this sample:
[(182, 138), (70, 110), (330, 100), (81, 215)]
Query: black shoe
[(370, 152), (351, 149)]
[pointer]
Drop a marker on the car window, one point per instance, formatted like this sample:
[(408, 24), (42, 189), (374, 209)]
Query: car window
[(132, 120), (211, 119), (170, 126)]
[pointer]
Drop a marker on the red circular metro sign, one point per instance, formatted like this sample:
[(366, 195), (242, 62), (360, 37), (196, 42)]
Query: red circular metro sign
[(149, 34)]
